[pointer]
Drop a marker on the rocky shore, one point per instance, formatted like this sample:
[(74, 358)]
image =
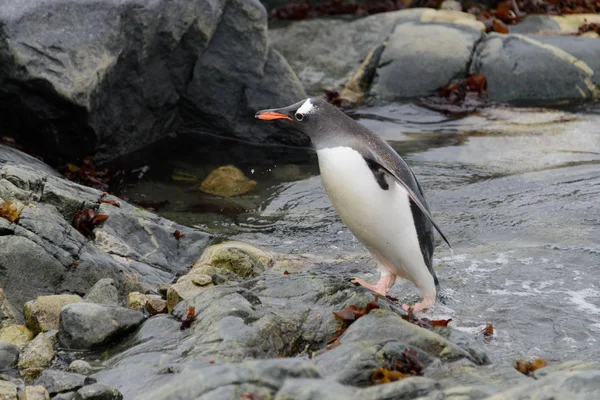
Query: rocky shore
[(155, 317), (103, 300)]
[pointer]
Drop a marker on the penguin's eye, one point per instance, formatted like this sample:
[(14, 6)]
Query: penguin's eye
[(299, 116)]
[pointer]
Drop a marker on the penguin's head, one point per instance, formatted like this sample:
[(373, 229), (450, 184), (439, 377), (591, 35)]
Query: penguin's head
[(313, 117)]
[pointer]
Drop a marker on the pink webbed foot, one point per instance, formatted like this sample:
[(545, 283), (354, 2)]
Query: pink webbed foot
[(427, 302), (382, 287)]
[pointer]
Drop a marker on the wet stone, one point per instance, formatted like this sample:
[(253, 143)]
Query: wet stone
[(227, 181), (41, 315), (9, 355), (81, 367), (37, 353), (98, 391), (103, 292), (88, 325), (58, 381)]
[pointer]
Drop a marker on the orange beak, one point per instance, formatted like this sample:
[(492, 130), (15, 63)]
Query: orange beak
[(271, 115)]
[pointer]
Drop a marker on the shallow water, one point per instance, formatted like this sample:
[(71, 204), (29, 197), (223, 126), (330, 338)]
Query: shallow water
[(516, 191)]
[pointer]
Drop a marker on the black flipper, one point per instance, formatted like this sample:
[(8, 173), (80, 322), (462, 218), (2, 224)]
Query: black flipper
[(414, 199)]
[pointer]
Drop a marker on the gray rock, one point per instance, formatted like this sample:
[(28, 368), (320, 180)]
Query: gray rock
[(88, 325), (103, 292), (584, 49), (81, 367), (9, 355), (495, 378), (405, 389), (41, 314), (43, 254), (8, 155), (521, 68), (210, 382), (308, 389), (580, 385), (66, 396), (155, 55), (331, 49), (58, 381), (574, 365), (29, 270), (99, 391), (421, 58)]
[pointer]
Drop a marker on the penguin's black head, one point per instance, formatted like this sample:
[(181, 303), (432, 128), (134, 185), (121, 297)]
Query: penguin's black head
[(313, 117)]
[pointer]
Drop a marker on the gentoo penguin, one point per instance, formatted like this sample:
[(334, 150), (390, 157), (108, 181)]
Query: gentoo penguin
[(375, 193)]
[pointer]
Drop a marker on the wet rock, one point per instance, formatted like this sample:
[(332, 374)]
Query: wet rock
[(573, 365), (88, 325), (81, 367), (9, 355), (227, 181), (442, 52), (136, 301), (43, 254), (30, 271), (408, 388), (66, 396), (103, 292), (186, 288), (99, 391), (261, 377), (577, 384), (8, 314), (34, 393), (584, 49), (38, 353), (364, 349), (494, 378), (15, 334), (58, 381), (201, 85), (243, 259), (8, 390), (307, 389), (41, 314), (156, 306), (518, 67)]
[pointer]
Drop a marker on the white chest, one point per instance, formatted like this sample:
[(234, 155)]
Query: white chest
[(381, 219)]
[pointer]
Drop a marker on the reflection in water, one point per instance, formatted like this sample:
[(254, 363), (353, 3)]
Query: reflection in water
[(516, 191)]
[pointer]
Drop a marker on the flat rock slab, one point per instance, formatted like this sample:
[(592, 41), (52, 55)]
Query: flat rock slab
[(88, 325)]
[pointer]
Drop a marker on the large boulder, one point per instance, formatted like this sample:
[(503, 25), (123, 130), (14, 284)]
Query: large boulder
[(522, 68), (128, 73), (43, 254), (89, 325), (411, 64)]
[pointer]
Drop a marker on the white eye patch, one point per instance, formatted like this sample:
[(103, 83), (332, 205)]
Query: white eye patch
[(306, 108)]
